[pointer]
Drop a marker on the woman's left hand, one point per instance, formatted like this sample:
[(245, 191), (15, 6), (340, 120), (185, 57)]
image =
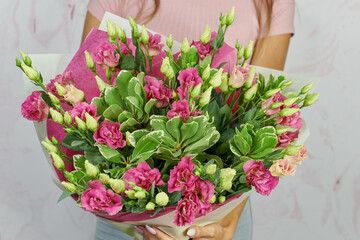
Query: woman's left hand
[(214, 231), (153, 233)]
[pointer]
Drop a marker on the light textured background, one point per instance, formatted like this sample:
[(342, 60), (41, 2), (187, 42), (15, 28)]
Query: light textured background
[(321, 202)]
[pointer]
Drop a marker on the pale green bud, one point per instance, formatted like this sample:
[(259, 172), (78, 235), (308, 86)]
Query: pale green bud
[(293, 150), (67, 118), (276, 105), (249, 50), (104, 178), (185, 47), (144, 35), (90, 169), (120, 34), (271, 92), (108, 74), (110, 31), (224, 86), (207, 115), (310, 99), (60, 89), (205, 97), (240, 53), (150, 206), (91, 122), (197, 172), (89, 61), (206, 35), (195, 93), (31, 73), (101, 84), (56, 116), (53, 98), (54, 141), (130, 194), (117, 185), (286, 112), (213, 199), (18, 62), (58, 162), (227, 174), (286, 84), (226, 185), (162, 199), (80, 123), (250, 79), (237, 45), (50, 147), (223, 20), (174, 95), (222, 199), (230, 17), (166, 68), (211, 169), (169, 41), (135, 30), (48, 140), (69, 176), (282, 130), (290, 101), (69, 186), (206, 73), (306, 88), (25, 58), (215, 80), (140, 195), (250, 93)]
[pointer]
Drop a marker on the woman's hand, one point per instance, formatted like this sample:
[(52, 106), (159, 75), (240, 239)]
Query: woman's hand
[(152, 233)]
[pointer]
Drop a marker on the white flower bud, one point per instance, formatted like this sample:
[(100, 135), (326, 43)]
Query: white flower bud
[(206, 35), (206, 73), (185, 47), (211, 169), (205, 97), (60, 89), (310, 99), (150, 206), (130, 194), (249, 50), (58, 162), (286, 112), (80, 123), (230, 17), (117, 185), (144, 35), (91, 170), (104, 178), (215, 80), (56, 116), (89, 61), (50, 147), (31, 73), (91, 122), (162, 199), (306, 88), (111, 31), (140, 195), (213, 199), (101, 84), (69, 186), (222, 199), (67, 118), (169, 41)]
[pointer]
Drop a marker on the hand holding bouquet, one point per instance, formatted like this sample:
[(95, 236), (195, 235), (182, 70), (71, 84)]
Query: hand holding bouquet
[(163, 131)]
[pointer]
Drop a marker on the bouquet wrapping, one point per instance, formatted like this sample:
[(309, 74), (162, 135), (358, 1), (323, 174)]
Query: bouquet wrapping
[(149, 148)]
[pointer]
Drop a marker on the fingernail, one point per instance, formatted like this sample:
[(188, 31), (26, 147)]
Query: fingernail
[(150, 229), (139, 230), (191, 232)]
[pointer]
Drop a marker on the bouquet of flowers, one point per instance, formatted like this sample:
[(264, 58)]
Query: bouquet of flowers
[(141, 132)]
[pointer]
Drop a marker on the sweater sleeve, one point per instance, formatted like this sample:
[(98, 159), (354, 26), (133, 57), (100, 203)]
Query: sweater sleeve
[(282, 20)]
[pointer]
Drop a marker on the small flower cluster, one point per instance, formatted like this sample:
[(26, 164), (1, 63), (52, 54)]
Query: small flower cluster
[(168, 129)]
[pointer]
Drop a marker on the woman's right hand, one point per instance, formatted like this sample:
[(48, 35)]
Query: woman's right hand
[(152, 233)]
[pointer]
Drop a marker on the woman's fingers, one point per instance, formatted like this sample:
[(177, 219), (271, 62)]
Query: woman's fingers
[(153, 233), (209, 231)]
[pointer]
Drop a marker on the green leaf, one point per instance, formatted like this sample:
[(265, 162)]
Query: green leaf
[(46, 99), (136, 135), (75, 143), (149, 105), (235, 150), (78, 175), (265, 145), (210, 138), (64, 195), (113, 96), (214, 112), (95, 157), (242, 144), (136, 103), (174, 197), (110, 154), (79, 162), (146, 144), (251, 114), (158, 124), (127, 62), (247, 133), (112, 112), (203, 124), (122, 82), (192, 57), (188, 130), (116, 172), (173, 126), (156, 211), (101, 105), (268, 129), (124, 115), (128, 125)]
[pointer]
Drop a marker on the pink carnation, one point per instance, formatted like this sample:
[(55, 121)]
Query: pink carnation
[(105, 56), (278, 97), (97, 199), (293, 121), (34, 108), (204, 50), (286, 138), (187, 78), (109, 133), (185, 212), (201, 195), (63, 79), (154, 45), (281, 168), (238, 76), (182, 176), (298, 157), (259, 177), (154, 89), (180, 108), (143, 176), (79, 110)]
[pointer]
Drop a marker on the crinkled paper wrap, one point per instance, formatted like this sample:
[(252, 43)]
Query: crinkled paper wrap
[(52, 64)]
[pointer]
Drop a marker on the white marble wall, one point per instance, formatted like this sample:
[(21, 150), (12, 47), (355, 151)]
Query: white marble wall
[(321, 202)]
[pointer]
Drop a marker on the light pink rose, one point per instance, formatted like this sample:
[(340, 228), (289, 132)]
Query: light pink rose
[(63, 79), (286, 138), (180, 108), (278, 97), (185, 212), (154, 45), (73, 94), (105, 56), (34, 108), (143, 176), (204, 50), (187, 78), (97, 199), (109, 133), (79, 110), (154, 89), (298, 157), (259, 177), (238, 76), (293, 121), (182, 176), (281, 168)]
